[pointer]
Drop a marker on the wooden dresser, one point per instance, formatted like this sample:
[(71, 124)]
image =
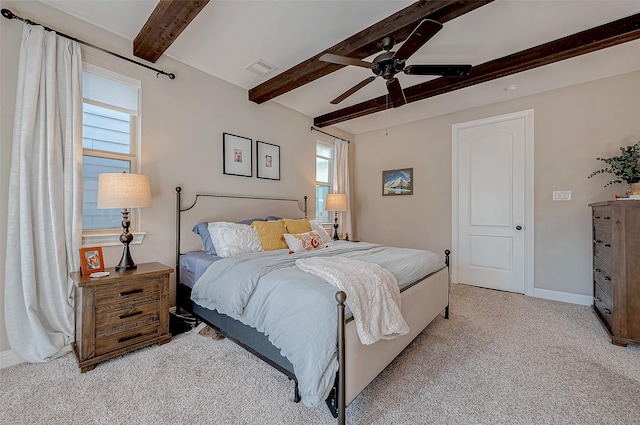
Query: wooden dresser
[(616, 269), (121, 312)]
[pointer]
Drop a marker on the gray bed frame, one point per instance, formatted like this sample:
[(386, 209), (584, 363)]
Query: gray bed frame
[(436, 285)]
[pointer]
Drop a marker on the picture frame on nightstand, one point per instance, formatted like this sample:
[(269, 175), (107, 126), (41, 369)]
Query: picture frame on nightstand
[(91, 260)]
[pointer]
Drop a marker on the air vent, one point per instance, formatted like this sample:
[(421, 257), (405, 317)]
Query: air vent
[(261, 67)]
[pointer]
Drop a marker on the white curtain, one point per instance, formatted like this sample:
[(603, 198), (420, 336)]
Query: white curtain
[(44, 224), (341, 183)]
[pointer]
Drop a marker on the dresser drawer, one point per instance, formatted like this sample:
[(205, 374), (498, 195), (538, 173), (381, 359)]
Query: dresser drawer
[(602, 214), (602, 233), (132, 312), (604, 252), (603, 302), (139, 291), (107, 343)]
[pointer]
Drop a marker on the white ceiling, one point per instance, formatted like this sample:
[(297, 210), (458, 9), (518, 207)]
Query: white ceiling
[(229, 35)]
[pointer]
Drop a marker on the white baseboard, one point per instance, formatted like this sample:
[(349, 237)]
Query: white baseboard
[(566, 297), (9, 358)]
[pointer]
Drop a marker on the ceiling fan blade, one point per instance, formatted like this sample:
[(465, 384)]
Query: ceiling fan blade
[(423, 33), (395, 93), (445, 70), (352, 90), (344, 60)]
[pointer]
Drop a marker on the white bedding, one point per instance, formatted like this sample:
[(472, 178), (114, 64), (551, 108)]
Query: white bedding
[(297, 310), (372, 292)]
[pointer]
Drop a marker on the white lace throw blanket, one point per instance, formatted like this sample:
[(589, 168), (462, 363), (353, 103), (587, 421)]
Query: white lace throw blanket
[(372, 294)]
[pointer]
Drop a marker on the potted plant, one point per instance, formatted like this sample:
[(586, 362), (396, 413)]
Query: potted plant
[(625, 167)]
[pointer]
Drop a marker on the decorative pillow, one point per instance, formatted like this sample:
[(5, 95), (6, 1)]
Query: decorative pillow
[(250, 220), (270, 233), (317, 227), (233, 238), (297, 226), (202, 229), (304, 241)]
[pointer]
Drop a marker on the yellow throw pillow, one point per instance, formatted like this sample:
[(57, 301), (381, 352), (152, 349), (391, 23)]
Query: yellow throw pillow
[(298, 226), (271, 234)]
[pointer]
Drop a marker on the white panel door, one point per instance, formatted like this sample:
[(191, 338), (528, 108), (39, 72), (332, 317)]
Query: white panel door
[(491, 204)]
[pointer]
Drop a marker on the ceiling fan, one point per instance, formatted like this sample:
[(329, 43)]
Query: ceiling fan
[(389, 63)]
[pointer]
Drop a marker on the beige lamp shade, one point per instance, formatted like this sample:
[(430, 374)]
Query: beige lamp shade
[(336, 202), (123, 190)]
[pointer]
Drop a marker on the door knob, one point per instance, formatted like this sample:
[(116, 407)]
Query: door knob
[(518, 227)]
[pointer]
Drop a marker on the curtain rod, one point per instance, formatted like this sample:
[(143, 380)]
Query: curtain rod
[(10, 15), (335, 137)]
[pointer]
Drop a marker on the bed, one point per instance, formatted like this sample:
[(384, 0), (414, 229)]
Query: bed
[(325, 357)]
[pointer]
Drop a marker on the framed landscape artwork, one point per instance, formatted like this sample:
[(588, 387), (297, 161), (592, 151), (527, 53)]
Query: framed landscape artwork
[(268, 166), (236, 153), (397, 182)]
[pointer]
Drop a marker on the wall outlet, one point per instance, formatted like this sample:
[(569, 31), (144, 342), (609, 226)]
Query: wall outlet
[(561, 195)]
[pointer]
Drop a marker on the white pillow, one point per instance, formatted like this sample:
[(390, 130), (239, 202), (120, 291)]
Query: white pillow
[(233, 238), (317, 227), (303, 241)]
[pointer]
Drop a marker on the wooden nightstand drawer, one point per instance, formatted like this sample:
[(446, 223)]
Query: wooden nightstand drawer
[(124, 315), (135, 291), (119, 340)]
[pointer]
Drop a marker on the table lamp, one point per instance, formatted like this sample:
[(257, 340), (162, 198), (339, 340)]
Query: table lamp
[(123, 190), (336, 202)]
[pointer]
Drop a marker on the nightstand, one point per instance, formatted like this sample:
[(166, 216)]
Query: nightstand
[(120, 313)]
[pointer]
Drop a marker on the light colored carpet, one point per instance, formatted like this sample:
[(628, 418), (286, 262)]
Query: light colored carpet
[(501, 359)]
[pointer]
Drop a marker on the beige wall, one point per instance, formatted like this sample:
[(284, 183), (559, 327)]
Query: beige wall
[(573, 126), (183, 121), (182, 125)]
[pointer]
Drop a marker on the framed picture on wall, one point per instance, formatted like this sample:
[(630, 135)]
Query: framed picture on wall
[(397, 182), (236, 154), (91, 260), (268, 166)]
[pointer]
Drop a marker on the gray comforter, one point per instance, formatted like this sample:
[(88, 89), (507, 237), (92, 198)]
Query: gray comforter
[(295, 309)]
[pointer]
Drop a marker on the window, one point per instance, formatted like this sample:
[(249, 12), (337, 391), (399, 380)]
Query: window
[(109, 141), (324, 178)]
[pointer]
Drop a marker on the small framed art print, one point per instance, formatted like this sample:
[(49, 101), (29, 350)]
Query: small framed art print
[(236, 152), (268, 161), (397, 182), (91, 260)]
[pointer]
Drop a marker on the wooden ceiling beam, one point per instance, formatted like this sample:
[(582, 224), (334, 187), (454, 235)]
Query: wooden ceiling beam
[(166, 23), (363, 44), (601, 37)]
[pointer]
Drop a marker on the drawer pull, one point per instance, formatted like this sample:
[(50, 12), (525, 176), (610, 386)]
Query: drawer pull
[(598, 271), (607, 278), (597, 299), (124, 316), (606, 218), (134, 291), (607, 311), (608, 245), (120, 340), (597, 241)]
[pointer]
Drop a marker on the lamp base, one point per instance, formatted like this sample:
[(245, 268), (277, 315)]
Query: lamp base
[(126, 262), (335, 228)]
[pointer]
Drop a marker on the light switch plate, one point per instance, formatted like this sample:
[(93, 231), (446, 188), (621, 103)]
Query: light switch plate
[(561, 195)]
